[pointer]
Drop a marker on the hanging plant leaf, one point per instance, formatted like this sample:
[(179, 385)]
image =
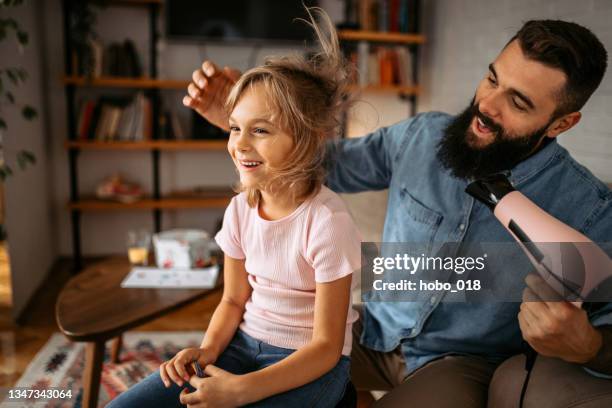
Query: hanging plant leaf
[(24, 158), (10, 2), (22, 74), (28, 112), (12, 74), (9, 23), (22, 37), (5, 171)]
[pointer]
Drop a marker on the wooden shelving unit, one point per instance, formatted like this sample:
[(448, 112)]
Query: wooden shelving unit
[(117, 82), (91, 204), (378, 36), (402, 90), (79, 204), (206, 145)]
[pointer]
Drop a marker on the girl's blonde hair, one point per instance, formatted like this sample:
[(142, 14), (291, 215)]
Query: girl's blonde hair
[(307, 96)]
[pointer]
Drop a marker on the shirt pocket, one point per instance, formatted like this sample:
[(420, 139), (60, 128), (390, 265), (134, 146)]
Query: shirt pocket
[(420, 222)]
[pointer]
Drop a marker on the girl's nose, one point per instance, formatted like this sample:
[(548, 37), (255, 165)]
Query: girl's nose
[(242, 142)]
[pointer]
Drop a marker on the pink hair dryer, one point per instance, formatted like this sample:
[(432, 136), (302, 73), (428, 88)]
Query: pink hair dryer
[(574, 266)]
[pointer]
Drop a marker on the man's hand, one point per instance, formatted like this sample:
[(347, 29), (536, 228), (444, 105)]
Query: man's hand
[(208, 91), (556, 328), (219, 389)]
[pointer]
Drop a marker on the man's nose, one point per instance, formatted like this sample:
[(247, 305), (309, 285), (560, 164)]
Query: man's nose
[(489, 105)]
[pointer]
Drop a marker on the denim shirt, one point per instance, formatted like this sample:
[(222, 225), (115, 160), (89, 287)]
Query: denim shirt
[(426, 204)]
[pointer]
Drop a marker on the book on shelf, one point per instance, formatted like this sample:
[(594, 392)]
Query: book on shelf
[(382, 65), (382, 15), (115, 119), (171, 126)]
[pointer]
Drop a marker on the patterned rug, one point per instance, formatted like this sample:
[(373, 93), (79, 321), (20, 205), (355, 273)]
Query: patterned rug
[(60, 364)]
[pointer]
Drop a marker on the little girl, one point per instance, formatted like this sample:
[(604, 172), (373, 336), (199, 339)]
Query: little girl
[(281, 336)]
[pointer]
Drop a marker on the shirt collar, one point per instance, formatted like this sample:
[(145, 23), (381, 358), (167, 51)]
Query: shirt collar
[(534, 163)]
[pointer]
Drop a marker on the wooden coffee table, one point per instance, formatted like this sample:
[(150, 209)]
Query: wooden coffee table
[(94, 308)]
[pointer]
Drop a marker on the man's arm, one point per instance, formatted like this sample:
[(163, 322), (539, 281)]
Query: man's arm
[(365, 163), (208, 91)]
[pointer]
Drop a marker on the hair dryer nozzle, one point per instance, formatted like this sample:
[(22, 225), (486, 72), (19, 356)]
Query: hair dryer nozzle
[(490, 190)]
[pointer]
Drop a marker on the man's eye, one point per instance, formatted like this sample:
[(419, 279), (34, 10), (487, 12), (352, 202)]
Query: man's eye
[(518, 106), (491, 80)]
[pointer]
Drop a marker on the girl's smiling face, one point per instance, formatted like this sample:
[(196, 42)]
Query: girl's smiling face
[(256, 144)]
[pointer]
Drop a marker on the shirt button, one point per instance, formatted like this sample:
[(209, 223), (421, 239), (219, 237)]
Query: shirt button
[(432, 300), (462, 227)]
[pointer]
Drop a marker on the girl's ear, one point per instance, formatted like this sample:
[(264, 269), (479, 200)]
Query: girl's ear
[(563, 124)]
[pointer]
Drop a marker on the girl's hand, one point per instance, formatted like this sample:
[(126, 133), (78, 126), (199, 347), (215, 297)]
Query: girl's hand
[(218, 389), (179, 369)]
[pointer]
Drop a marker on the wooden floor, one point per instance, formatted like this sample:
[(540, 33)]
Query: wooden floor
[(19, 344)]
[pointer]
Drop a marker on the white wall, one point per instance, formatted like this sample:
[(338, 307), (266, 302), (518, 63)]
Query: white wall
[(464, 36), (31, 232)]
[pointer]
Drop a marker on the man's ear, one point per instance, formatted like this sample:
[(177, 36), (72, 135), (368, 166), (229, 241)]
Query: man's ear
[(563, 124)]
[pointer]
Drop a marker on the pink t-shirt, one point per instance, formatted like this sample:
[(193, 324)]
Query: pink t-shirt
[(285, 258)]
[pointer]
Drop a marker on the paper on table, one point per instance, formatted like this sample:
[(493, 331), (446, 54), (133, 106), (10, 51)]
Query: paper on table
[(143, 277)]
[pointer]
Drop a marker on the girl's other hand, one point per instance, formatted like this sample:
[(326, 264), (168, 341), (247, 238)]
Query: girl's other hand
[(179, 369), (219, 388)]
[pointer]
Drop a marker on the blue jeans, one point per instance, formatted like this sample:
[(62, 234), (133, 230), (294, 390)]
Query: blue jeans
[(243, 355)]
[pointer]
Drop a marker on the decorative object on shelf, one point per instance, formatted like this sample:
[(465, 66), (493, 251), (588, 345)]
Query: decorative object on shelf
[(117, 188), (182, 248), (82, 20), (118, 60)]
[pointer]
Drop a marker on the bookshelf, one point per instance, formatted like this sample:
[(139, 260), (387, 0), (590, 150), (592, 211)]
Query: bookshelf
[(79, 204), (395, 69)]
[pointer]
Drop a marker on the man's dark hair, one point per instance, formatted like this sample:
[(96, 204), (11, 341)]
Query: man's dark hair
[(573, 49)]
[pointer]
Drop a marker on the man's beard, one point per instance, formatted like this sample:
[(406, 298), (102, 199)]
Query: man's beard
[(503, 153)]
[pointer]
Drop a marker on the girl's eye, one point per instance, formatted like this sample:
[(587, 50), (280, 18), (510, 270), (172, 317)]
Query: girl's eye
[(260, 131), (234, 129)]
